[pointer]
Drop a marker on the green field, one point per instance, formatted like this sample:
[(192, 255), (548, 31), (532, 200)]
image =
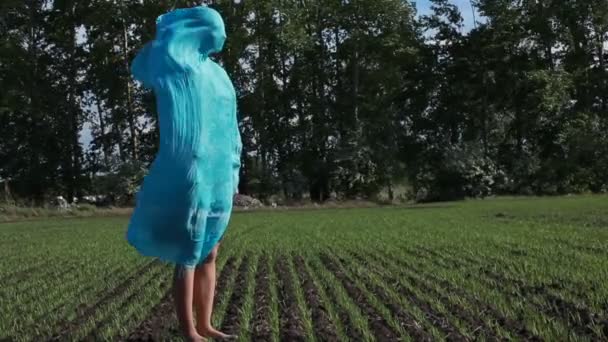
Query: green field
[(522, 269)]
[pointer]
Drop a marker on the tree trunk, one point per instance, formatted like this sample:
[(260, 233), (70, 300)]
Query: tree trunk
[(129, 88), (604, 88), (7, 192), (104, 139), (35, 173), (74, 159), (355, 94)]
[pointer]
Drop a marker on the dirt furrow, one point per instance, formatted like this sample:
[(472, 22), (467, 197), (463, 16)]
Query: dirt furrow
[(516, 327), (405, 319), (575, 289), (230, 323), (57, 310), (93, 335), (591, 250), (475, 324), (291, 325), (580, 319), (84, 312), (508, 324), (261, 330), (162, 322), (224, 278), (19, 275), (35, 291), (379, 325), (325, 329), (350, 328)]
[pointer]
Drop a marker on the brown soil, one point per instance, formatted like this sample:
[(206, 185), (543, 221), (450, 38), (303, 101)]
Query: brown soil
[(576, 289), (84, 312), (414, 328), (54, 312), (479, 328), (557, 307), (261, 329), (580, 319), (230, 324), (93, 334), (224, 277), (24, 274), (379, 325), (351, 330), (594, 251), (516, 327), (291, 325), (34, 292), (324, 328), (161, 322)]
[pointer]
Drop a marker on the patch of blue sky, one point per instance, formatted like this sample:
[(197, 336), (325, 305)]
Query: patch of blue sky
[(465, 6)]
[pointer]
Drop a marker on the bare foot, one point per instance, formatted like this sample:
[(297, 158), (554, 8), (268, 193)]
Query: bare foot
[(215, 334), (194, 337)]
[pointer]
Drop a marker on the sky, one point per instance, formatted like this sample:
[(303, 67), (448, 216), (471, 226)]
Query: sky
[(423, 6)]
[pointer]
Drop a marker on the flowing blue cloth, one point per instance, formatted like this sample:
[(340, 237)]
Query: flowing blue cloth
[(184, 204)]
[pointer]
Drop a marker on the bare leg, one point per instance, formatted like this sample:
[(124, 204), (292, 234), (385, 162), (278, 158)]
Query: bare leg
[(183, 282), (204, 290)]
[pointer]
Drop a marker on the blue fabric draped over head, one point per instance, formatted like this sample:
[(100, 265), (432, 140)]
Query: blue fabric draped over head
[(184, 204)]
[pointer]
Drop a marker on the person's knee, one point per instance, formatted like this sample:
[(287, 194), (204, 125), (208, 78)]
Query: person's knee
[(181, 272), (212, 256)]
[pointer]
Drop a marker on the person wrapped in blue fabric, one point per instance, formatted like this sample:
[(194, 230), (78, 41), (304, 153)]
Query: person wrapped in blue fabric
[(185, 202)]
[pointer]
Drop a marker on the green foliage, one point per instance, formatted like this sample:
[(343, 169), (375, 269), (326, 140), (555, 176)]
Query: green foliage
[(500, 269), (120, 185), (455, 173), (345, 97)]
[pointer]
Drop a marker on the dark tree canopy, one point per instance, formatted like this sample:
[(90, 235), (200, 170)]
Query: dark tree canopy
[(351, 98)]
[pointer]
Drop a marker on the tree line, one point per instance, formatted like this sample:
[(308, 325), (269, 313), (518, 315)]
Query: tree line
[(344, 98)]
